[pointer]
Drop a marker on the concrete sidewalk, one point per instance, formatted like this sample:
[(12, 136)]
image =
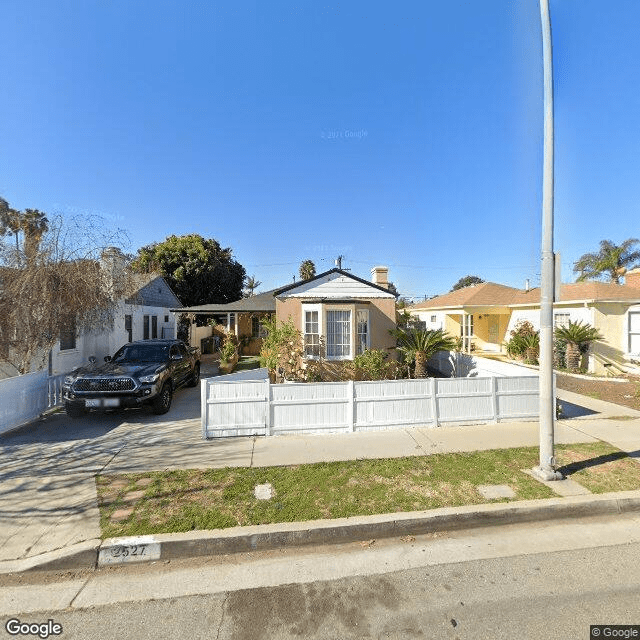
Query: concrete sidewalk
[(50, 507)]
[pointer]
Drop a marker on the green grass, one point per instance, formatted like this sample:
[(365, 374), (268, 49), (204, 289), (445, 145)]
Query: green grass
[(219, 498), (247, 362), (599, 467)]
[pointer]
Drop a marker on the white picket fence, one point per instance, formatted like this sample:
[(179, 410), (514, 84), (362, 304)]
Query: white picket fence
[(235, 407), (24, 398)]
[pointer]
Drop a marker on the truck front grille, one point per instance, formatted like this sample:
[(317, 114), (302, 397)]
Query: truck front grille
[(104, 384)]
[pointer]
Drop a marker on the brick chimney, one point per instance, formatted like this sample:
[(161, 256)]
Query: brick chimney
[(380, 276), (632, 278)]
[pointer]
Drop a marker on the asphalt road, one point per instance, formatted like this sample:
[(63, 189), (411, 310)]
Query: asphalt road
[(505, 591)]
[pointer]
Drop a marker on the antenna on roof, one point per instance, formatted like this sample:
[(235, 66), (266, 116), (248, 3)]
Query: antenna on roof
[(339, 262)]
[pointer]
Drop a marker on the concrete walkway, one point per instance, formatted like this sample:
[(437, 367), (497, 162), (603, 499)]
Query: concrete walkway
[(47, 490)]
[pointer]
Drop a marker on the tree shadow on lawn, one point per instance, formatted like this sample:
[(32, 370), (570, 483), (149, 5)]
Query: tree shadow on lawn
[(574, 467)]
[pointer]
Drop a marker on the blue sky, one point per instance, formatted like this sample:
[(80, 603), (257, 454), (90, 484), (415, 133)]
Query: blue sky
[(407, 134)]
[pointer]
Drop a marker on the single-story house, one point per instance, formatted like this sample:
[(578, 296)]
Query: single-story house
[(337, 309), (485, 314), (143, 314)]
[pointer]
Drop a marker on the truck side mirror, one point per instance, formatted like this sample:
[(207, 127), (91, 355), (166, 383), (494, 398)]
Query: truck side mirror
[(107, 358)]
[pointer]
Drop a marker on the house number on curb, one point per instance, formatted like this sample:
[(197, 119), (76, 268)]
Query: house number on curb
[(121, 553)]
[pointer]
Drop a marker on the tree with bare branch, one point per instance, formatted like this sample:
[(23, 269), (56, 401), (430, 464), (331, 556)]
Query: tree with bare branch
[(57, 284)]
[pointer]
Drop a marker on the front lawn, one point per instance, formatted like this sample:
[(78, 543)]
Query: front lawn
[(172, 501)]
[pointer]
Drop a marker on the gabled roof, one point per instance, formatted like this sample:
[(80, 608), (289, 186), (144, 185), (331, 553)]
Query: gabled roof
[(266, 302), (320, 276), (480, 295), (490, 294), (151, 289)]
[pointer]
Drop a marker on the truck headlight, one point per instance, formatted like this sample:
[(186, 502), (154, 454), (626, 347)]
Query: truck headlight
[(150, 379), (70, 379)]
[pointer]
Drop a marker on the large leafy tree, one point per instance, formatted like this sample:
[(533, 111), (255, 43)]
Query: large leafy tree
[(467, 281), (198, 269), (421, 344), (307, 270), (609, 263)]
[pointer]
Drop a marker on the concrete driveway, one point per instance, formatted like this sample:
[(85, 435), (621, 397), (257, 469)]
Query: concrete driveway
[(47, 489)]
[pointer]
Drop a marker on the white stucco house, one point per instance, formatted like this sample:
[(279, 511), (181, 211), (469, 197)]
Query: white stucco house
[(144, 315)]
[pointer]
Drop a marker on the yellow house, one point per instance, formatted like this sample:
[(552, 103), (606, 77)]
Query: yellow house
[(336, 309), (485, 314)]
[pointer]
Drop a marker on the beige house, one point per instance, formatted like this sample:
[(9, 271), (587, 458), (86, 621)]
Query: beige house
[(485, 314), (337, 313)]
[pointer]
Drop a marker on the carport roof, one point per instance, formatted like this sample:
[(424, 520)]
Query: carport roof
[(260, 303)]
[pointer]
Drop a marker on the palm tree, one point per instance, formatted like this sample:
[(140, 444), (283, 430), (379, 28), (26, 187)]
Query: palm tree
[(251, 285), (610, 262), (31, 222), (307, 270), (422, 344), (578, 336), (9, 221), (34, 225)]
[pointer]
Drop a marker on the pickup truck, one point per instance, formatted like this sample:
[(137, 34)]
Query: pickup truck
[(146, 372)]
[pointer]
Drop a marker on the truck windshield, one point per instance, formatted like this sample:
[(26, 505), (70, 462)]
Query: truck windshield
[(142, 353)]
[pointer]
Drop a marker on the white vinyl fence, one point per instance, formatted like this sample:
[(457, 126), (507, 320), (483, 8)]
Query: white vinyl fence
[(24, 398), (237, 407)]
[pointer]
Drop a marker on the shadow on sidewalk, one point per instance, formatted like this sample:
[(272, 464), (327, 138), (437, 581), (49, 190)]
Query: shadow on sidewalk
[(570, 410)]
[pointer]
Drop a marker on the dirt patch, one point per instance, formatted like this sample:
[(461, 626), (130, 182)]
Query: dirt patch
[(626, 393)]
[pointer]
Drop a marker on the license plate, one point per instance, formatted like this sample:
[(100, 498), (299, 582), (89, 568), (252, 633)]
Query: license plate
[(93, 403)]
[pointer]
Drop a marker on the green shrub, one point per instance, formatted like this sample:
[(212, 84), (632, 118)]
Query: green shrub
[(524, 343), (374, 364), (228, 350)]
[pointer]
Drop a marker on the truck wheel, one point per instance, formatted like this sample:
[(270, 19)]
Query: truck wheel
[(195, 378), (162, 403), (74, 410)]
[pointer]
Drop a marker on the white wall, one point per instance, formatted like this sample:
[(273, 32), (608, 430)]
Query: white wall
[(426, 317), (199, 333), (107, 342), (576, 314)]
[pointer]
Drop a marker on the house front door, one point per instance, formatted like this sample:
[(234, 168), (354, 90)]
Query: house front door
[(494, 327)]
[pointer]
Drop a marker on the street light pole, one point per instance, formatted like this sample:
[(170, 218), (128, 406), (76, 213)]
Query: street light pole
[(547, 467)]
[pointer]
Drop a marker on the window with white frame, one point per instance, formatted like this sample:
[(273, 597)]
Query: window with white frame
[(634, 332), (433, 319), (312, 333), (338, 334), (466, 328), (561, 320), (362, 331)]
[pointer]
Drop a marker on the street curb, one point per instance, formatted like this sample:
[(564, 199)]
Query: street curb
[(82, 555), (191, 544)]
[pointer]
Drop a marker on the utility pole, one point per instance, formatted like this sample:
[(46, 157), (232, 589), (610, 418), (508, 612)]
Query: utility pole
[(547, 467)]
